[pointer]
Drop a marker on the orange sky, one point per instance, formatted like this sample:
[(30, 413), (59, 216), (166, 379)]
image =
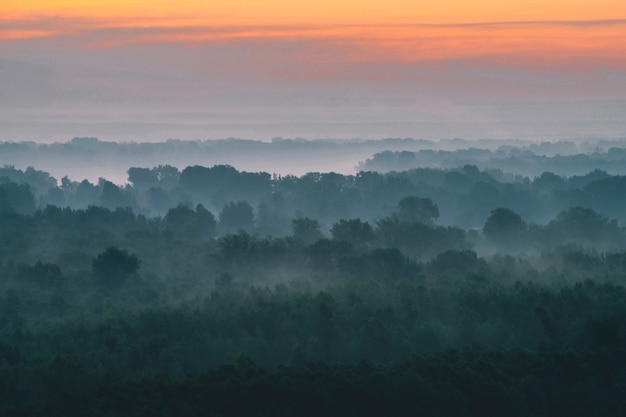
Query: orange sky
[(275, 12), (368, 30), (79, 54), (517, 33)]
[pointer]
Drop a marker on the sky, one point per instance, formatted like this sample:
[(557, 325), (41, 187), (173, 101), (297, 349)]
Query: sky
[(154, 70)]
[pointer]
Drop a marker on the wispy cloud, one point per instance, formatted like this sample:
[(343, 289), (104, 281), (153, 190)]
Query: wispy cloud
[(586, 44)]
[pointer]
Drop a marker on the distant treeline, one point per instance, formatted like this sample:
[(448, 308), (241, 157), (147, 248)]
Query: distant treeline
[(91, 158), (465, 196), (513, 160)]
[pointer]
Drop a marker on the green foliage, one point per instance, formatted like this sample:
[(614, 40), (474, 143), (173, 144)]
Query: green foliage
[(458, 261), (43, 274), (142, 178), (324, 254), (114, 266), (185, 222), (504, 226), (579, 224), (306, 230), (113, 196), (236, 247), (16, 197), (400, 318), (354, 231), (417, 209), (236, 216), (380, 264), (418, 239), (223, 184)]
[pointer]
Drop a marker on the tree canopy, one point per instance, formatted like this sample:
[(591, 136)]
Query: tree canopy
[(114, 266)]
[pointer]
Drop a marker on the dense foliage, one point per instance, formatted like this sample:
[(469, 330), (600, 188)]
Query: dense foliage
[(216, 292)]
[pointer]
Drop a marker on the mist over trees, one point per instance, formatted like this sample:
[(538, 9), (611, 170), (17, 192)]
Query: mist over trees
[(90, 158), (462, 196), (439, 290), (529, 159)]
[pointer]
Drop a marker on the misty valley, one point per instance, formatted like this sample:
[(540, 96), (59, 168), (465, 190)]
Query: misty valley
[(440, 280)]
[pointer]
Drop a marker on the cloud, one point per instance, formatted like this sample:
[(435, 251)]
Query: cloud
[(585, 44), (112, 65)]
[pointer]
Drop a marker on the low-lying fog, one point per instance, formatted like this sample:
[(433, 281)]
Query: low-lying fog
[(93, 158)]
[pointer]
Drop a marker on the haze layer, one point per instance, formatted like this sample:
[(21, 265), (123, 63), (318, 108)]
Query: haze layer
[(151, 70)]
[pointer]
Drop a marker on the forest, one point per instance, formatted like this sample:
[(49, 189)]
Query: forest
[(422, 290)]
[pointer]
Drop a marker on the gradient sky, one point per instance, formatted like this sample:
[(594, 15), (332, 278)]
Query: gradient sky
[(150, 70)]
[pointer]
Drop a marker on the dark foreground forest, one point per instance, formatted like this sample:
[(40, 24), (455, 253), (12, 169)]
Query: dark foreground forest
[(211, 291)]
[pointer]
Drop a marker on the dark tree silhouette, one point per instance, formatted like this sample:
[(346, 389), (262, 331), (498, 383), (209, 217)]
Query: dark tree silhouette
[(113, 196), (236, 216), (585, 225), (417, 209), (158, 199), (503, 225), (205, 221), (182, 220), (16, 197), (306, 230), (142, 178), (114, 265), (354, 231)]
